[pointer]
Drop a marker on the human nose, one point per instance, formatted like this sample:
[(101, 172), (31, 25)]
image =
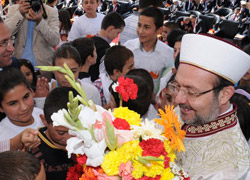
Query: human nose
[(180, 97), (140, 30), (22, 106)]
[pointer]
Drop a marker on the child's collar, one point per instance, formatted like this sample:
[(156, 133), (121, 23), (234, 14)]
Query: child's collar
[(152, 50)]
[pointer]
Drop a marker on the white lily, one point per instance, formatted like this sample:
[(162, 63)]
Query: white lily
[(59, 119), (95, 153), (87, 117), (74, 145)]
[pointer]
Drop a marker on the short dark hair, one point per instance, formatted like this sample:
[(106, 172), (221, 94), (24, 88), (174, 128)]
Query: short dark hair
[(144, 96), (172, 36), (28, 64), (17, 165), (171, 25), (111, 60), (56, 100), (147, 3), (154, 13), (1, 20), (66, 51), (85, 47), (9, 78), (113, 19), (144, 74)]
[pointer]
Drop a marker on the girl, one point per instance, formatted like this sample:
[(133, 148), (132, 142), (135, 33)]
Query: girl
[(28, 70), (16, 101), (64, 25)]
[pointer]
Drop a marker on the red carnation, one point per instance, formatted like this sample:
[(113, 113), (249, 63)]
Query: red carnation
[(81, 159), (121, 124), (152, 147), (75, 172), (150, 178), (127, 88), (166, 162)]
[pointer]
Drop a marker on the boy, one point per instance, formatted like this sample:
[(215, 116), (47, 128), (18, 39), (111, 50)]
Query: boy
[(150, 53), (89, 23), (87, 52), (115, 68), (112, 25), (132, 21), (52, 150), (68, 54), (16, 165), (16, 101)]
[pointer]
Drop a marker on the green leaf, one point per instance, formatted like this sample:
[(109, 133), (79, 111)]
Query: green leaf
[(143, 161), (92, 133), (146, 159), (152, 158), (111, 139), (69, 72)]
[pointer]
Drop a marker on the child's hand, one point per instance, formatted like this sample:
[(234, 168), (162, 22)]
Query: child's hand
[(30, 139), (42, 87)]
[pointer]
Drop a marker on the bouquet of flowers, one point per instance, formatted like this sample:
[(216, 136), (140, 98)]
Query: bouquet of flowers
[(119, 144)]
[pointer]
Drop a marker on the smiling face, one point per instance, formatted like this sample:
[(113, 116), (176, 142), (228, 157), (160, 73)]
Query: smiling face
[(5, 52), (18, 105), (204, 108), (146, 30), (60, 77)]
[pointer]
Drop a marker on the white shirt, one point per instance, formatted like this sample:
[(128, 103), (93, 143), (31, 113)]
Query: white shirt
[(84, 26), (90, 90), (155, 61), (9, 130)]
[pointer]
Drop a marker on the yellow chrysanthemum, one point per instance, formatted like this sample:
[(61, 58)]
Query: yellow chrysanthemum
[(172, 128), (131, 117), (156, 168), (130, 150), (111, 163), (113, 159), (171, 154), (167, 174), (138, 170)]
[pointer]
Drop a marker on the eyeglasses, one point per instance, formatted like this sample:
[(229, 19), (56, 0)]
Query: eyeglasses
[(7, 42), (190, 95)]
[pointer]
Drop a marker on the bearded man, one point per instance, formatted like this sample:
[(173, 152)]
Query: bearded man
[(216, 148)]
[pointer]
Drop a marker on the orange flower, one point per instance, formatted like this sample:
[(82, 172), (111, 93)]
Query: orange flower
[(172, 128), (88, 174)]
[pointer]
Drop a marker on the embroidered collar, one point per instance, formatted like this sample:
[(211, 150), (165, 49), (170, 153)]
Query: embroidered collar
[(223, 122)]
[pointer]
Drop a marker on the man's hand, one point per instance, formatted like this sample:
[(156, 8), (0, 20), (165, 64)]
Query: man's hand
[(34, 16), (24, 7)]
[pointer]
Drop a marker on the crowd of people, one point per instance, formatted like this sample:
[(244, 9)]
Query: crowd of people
[(204, 77)]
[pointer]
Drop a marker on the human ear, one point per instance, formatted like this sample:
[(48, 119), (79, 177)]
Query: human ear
[(225, 94), (116, 73), (1, 110), (159, 30), (110, 28), (43, 120)]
